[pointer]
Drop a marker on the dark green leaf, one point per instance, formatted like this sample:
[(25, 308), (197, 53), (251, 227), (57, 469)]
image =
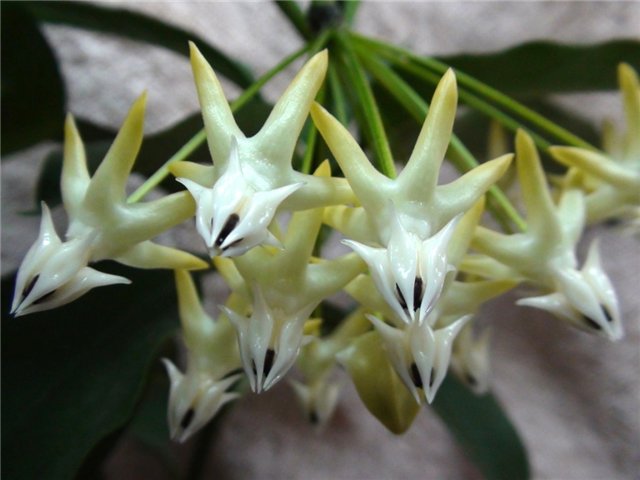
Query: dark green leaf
[(483, 430), (140, 27), (543, 67), (33, 95), (73, 375)]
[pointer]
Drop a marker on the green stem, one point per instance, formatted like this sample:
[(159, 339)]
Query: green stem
[(199, 138), (478, 104), (294, 13), (399, 55), (337, 93), (464, 160), (371, 118)]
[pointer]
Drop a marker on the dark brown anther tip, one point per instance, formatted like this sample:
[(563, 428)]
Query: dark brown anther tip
[(417, 293), (187, 419), (415, 375), (313, 417), (229, 225), (401, 300), (607, 314), (592, 323), (268, 361)]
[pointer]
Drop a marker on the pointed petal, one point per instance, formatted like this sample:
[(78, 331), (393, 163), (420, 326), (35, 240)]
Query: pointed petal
[(279, 135), (367, 183), (75, 176), (142, 221), (572, 215), (459, 195), (86, 279), (204, 175), (319, 192), (630, 87), (461, 239), (107, 187), (420, 176), (38, 254), (541, 215), (218, 118), (151, 255), (598, 165), (328, 277)]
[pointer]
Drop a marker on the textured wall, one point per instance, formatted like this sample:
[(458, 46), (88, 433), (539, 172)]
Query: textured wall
[(575, 398)]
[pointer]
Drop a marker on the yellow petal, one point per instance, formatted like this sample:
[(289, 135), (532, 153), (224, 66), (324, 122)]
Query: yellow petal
[(75, 176)]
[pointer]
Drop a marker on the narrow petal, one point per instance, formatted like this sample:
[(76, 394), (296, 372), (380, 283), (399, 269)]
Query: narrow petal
[(367, 183), (85, 280), (204, 175), (280, 132), (598, 165), (630, 87), (420, 176), (75, 176), (218, 118), (459, 195), (151, 255), (107, 187)]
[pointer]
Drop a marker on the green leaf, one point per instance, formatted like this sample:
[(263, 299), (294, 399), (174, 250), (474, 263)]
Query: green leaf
[(544, 67), (483, 430), (73, 375), (140, 27), (33, 94)]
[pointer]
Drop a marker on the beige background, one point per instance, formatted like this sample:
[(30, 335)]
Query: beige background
[(575, 398)]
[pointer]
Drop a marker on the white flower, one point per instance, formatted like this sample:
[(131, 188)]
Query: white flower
[(54, 273), (195, 398), (318, 399), (232, 216), (545, 254), (212, 365), (269, 340), (409, 273), (470, 359), (585, 298), (419, 355), (102, 224)]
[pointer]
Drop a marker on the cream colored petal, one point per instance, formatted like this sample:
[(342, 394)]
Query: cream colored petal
[(279, 135), (460, 195), (630, 86), (151, 255), (204, 175), (216, 113), (572, 214), (107, 187), (141, 221), (75, 176), (598, 165), (367, 183), (541, 211), (420, 176)]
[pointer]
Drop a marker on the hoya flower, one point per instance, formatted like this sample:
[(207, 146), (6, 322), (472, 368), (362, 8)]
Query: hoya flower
[(212, 365), (252, 176), (269, 340), (412, 216), (232, 217), (318, 393), (419, 354), (102, 225), (54, 273), (318, 399), (410, 272), (613, 182), (423, 206), (286, 285), (470, 359), (545, 255)]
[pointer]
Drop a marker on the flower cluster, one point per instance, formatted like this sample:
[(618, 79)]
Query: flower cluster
[(413, 273)]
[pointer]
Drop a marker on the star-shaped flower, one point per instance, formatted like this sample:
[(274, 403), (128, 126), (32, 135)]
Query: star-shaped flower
[(286, 286), (252, 176), (545, 254), (413, 218), (102, 225), (613, 182), (212, 362)]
